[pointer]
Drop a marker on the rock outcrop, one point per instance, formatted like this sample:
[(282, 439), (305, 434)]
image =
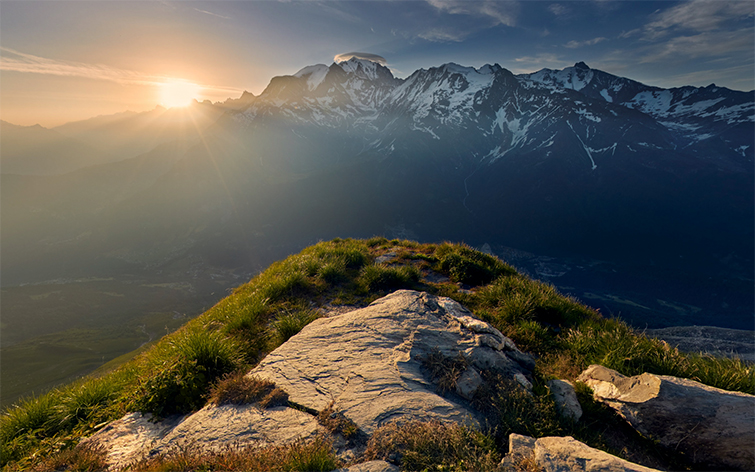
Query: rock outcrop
[(368, 364), (711, 426), (557, 454), (367, 367)]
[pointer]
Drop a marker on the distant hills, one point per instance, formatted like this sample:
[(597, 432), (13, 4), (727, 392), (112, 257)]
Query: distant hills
[(576, 161)]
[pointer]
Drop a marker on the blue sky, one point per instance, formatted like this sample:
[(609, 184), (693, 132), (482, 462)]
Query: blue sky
[(65, 60)]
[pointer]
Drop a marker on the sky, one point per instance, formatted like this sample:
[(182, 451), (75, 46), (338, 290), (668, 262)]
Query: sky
[(63, 61)]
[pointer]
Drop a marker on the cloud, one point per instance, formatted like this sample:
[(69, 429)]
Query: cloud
[(498, 13), (212, 14), (705, 44), (360, 55), (533, 63), (15, 61), (579, 44), (438, 35), (697, 15), (558, 9)]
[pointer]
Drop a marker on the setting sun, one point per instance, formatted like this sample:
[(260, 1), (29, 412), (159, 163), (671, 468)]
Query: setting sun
[(178, 93)]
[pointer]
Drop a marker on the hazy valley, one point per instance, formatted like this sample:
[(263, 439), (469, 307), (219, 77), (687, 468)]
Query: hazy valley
[(635, 199)]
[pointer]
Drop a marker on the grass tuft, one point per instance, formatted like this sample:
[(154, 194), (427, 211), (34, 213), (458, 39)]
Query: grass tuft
[(238, 388)]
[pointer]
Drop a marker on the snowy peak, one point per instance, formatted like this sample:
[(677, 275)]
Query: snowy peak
[(314, 74), (365, 69)]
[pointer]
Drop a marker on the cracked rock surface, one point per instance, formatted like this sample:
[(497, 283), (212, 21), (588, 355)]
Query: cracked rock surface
[(365, 364), (368, 362)]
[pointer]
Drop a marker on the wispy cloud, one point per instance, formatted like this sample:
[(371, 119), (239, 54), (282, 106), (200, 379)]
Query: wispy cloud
[(532, 63), (705, 44), (12, 60), (697, 15), (579, 44), (16, 61), (439, 35), (212, 14), (499, 13)]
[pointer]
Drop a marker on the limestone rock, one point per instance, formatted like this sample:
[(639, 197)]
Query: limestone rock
[(557, 454), (130, 438), (371, 466), (214, 427), (365, 365), (566, 399), (711, 426), (368, 362)]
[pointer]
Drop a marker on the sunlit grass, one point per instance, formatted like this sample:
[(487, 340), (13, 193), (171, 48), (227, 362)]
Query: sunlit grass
[(205, 360)]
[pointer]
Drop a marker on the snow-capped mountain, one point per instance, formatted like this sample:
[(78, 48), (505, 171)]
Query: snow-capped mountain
[(518, 154), (578, 110), (576, 161)]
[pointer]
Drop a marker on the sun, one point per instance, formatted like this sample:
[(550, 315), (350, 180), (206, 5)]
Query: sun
[(178, 93)]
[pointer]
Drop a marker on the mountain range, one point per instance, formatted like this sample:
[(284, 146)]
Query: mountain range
[(560, 162)]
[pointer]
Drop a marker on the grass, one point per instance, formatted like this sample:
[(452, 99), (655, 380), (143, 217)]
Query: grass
[(315, 455), (204, 361), (433, 446), (239, 389)]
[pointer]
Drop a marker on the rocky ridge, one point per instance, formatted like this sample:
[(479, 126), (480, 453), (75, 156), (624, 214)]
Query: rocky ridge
[(371, 367)]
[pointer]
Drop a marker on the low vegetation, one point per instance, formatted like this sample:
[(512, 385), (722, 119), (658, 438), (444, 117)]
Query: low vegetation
[(206, 359)]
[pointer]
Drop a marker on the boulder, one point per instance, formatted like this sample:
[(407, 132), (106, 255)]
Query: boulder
[(557, 454), (713, 427), (368, 363), (566, 399)]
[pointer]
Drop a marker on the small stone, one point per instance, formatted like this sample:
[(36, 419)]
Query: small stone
[(468, 383)]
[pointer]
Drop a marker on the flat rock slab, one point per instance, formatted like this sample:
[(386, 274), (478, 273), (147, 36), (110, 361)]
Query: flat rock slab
[(713, 427), (367, 363), (214, 427), (559, 454)]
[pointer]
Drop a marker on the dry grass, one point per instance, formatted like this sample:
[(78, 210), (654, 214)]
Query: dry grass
[(444, 371), (433, 446), (315, 455), (336, 423), (239, 389)]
